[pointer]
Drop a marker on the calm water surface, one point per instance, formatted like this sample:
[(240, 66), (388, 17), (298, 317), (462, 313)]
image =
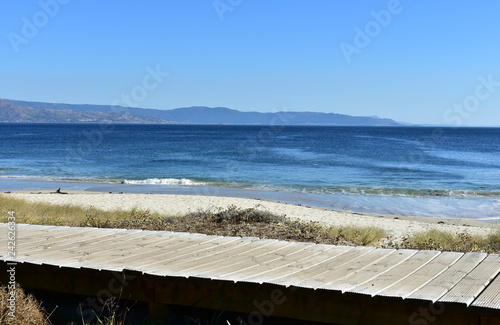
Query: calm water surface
[(440, 172)]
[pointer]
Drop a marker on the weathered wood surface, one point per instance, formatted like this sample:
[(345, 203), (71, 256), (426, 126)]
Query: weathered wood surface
[(470, 279)]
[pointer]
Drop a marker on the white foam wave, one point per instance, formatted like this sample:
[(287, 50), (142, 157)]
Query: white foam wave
[(165, 181)]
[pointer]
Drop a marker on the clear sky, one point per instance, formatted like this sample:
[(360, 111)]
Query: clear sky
[(411, 60)]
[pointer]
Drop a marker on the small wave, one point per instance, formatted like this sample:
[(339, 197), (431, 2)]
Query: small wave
[(395, 192), (489, 219), (421, 192), (165, 181)]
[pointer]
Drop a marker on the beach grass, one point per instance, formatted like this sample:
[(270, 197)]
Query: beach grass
[(49, 214), (28, 311), (234, 221), (454, 242), (229, 221)]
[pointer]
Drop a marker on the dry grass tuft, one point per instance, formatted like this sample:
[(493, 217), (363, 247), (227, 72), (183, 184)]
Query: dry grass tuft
[(446, 241), (58, 215), (361, 236), (251, 222), (231, 221), (28, 309)]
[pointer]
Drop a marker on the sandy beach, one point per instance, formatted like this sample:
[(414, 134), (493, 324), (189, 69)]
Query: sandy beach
[(397, 227)]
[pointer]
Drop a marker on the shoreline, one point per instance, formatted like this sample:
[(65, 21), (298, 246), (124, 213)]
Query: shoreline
[(397, 227), (446, 208)]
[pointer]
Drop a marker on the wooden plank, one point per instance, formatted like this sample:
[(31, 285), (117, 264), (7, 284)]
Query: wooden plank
[(71, 253), (82, 254), (306, 274), (223, 248), (32, 239), (292, 273), (44, 228), (53, 252), (342, 271), (191, 267), (87, 254), (68, 247), (99, 238), (152, 244), (30, 232), (96, 246), (398, 273), (440, 285), (136, 250), (247, 263), (490, 297), (67, 237), (163, 251), (467, 289), (36, 231), (274, 264), (369, 271), (166, 256), (281, 267), (71, 249), (422, 276)]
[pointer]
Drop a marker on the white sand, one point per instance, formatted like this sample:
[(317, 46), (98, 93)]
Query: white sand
[(397, 227)]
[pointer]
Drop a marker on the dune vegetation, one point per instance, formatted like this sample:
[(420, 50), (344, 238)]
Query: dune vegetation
[(234, 221)]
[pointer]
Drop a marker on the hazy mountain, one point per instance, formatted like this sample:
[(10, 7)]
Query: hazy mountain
[(222, 115), (10, 112), (230, 116)]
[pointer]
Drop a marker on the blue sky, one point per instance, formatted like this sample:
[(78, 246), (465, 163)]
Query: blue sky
[(414, 61)]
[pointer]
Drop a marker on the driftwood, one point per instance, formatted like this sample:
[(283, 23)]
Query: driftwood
[(58, 192)]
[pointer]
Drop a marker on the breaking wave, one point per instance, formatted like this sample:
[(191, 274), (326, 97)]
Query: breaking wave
[(165, 181)]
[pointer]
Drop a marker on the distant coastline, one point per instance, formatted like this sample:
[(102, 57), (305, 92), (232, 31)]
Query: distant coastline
[(18, 111)]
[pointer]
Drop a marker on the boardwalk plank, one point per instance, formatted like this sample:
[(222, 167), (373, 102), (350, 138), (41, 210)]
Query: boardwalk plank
[(399, 273), (191, 267), (440, 285), (247, 264), (348, 256), (281, 267), (467, 289), (57, 250), (370, 271), (162, 259), (76, 245), (163, 252), (274, 264), (30, 239), (87, 254), (422, 276), (346, 269), (490, 297), (292, 273), (82, 256), (138, 249)]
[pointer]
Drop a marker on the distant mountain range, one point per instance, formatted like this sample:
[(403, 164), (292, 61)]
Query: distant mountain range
[(14, 113), (38, 112)]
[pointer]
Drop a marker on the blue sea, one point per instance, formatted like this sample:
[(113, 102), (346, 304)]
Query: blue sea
[(413, 171)]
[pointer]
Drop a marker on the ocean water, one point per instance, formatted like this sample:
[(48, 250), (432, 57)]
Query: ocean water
[(433, 172)]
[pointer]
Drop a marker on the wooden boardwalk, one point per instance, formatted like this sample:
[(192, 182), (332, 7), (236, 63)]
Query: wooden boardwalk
[(469, 282)]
